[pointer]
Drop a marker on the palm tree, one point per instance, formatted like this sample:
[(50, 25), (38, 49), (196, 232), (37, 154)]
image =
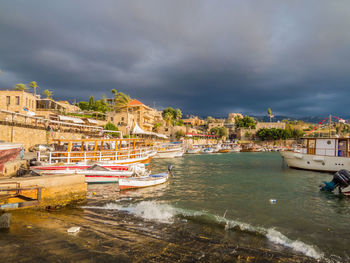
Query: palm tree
[(122, 101), (48, 93), (20, 86), (269, 112), (168, 117), (34, 85)]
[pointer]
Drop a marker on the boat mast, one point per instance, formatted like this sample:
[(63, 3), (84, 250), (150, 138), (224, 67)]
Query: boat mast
[(329, 125)]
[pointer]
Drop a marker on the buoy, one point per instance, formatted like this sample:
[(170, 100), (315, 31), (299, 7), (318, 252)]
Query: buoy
[(273, 201)]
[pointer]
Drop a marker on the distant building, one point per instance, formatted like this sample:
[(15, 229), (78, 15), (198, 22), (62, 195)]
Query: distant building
[(193, 122), (17, 101), (47, 107), (231, 117), (216, 123), (145, 116), (270, 125)]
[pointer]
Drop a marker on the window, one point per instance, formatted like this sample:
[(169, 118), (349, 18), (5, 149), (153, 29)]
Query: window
[(17, 100), (111, 119), (8, 100), (122, 118)]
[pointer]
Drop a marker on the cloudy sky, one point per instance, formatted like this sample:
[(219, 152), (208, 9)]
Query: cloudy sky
[(205, 57)]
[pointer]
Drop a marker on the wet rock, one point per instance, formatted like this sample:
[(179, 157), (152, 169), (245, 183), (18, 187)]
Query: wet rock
[(5, 220)]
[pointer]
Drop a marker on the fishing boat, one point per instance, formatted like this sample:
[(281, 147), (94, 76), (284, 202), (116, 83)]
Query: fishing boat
[(8, 153), (169, 150), (109, 153), (144, 181), (320, 154), (193, 150)]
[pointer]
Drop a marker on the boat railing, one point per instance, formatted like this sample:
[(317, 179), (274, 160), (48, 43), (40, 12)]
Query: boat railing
[(99, 156), (324, 151)]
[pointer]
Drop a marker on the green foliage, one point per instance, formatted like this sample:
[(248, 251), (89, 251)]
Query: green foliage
[(111, 127), (156, 126), (269, 111), (83, 105), (210, 119), (21, 87), (122, 100), (179, 134), (171, 115), (48, 93), (180, 123), (219, 131), (278, 134), (245, 122)]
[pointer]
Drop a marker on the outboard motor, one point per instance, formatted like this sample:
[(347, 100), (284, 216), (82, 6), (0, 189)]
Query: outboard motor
[(170, 169), (341, 179)]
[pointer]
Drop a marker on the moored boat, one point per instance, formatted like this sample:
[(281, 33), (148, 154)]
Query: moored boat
[(170, 150), (8, 153), (144, 181), (320, 154)]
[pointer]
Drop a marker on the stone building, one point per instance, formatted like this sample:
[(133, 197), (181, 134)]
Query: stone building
[(145, 116), (231, 117), (17, 101), (270, 125), (193, 122)]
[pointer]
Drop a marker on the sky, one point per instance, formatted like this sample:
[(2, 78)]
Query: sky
[(204, 57)]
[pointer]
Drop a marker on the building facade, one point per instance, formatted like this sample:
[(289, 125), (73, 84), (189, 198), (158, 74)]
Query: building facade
[(17, 101)]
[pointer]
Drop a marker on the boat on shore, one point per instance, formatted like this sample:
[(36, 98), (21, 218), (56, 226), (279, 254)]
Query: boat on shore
[(320, 154), (144, 181), (207, 150), (8, 153)]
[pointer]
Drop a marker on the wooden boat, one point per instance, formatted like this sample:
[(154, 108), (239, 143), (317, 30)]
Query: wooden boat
[(224, 150), (143, 181), (101, 151), (320, 154)]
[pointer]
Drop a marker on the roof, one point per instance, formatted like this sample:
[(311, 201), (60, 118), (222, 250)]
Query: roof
[(135, 102)]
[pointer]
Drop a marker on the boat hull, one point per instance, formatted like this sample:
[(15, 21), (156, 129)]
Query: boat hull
[(316, 162), (169, 154), (8, 153), (129, 183)]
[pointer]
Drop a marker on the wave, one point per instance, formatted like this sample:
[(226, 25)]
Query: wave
[(164, 213)]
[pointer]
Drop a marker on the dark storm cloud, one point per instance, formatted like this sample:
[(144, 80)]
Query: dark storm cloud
[(206, 57)]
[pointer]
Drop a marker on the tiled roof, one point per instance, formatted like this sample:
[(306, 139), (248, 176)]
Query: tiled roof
[(135, 102)]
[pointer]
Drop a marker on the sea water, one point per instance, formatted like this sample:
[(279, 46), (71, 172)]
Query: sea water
[(213, 206)]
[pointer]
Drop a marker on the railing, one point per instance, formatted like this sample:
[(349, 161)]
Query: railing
[(325, 152), (95, 156)]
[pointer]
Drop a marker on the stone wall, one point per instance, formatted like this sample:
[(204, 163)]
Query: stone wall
[(31, 136)]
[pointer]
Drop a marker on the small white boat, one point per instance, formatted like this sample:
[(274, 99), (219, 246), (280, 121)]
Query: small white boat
[(207, 150), (144, 181), (169, 151), (99, 174)]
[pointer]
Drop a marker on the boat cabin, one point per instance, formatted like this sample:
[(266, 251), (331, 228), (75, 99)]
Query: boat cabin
[(327, 146)]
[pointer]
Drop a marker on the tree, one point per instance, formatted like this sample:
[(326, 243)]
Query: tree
[(179, 134), (178, 114), (210, 119), (91, 103), (34, 86), (111, 127), (245, 122), (21, 87), (269, 112), (83, 105), (219, 131), (156, 126), (48, 93), (122, 101), (168, 117)]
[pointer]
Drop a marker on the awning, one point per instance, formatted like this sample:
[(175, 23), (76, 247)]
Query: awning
[(138, 130), (72, 119), (92, 121)]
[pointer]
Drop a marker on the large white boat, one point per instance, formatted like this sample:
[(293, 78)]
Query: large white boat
[(169, 150), (320, 154)]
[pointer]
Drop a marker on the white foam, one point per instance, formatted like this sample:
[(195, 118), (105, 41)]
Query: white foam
[(278, 238), (151, 210)]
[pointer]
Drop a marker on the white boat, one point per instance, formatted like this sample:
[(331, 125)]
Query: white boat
[(99, 174), (320, 154), (143, 181), (193, 150), (236, 149), (207, 150), (169, 151)]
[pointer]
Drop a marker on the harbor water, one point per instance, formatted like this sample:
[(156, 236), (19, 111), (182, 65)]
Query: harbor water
[(216, 207)]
